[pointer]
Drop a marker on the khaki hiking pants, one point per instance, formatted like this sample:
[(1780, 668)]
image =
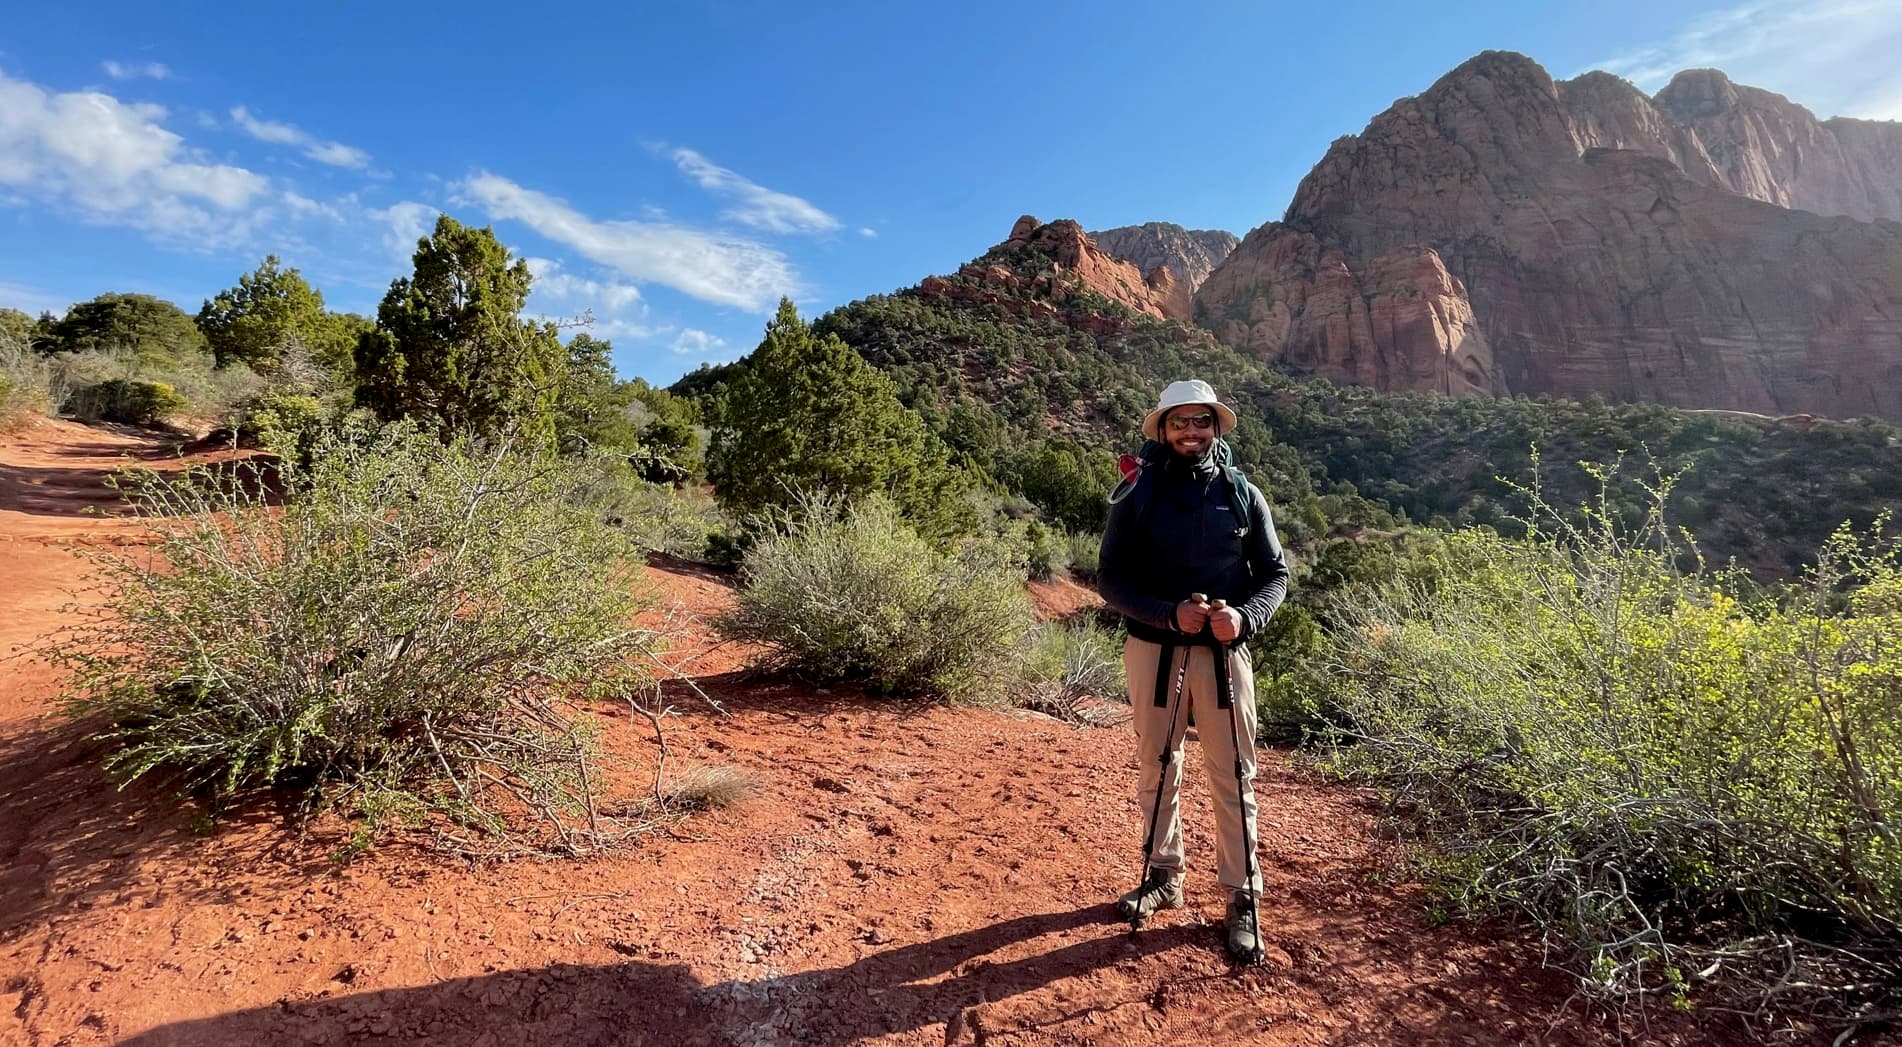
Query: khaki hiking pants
[(1217, 740)]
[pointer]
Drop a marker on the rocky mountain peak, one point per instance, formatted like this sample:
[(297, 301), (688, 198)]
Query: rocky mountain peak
[(1504, 232), (1696, 93), (1077, 258), (1189, 254)]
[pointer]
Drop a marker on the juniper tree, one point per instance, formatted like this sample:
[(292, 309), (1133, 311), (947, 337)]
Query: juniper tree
[(154, 331), (269, 308), (450, 347), (807, 413)]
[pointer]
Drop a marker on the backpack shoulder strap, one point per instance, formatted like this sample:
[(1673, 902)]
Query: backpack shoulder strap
[(1237, 482)]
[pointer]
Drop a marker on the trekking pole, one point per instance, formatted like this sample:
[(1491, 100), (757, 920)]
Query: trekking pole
[(1164, 666), (1225, 680)]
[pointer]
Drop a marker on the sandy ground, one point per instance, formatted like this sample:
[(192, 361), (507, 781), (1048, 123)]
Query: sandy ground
[(906, 875)]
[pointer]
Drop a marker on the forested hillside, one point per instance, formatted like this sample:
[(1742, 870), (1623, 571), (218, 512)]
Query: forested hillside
[(1042, 382)]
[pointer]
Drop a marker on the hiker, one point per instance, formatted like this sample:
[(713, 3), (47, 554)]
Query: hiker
[(1191, 560)]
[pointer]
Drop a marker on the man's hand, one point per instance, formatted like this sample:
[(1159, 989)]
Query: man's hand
[(1191, 616), (1226, 623)]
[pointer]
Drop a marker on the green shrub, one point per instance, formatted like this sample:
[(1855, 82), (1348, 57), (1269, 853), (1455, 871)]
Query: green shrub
[(658, 517), (728, 547), (19, 404), (1291, 681), (214, 395), (853, 593), (25, 382), (290, 425), (1073, 669), (1692, 785), (1046, 549), (133, 401), (409, 632), (1085, 553)]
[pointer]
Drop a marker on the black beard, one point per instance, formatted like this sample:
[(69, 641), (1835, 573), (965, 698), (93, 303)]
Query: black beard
[(1191, 462)]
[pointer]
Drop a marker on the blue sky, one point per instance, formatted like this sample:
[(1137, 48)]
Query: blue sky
[(675, 168)]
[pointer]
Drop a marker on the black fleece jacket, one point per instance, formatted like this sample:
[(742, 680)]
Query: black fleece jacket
[(1188, 541)]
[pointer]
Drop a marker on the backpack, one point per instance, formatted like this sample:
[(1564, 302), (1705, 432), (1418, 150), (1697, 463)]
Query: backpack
[(1135, 467)]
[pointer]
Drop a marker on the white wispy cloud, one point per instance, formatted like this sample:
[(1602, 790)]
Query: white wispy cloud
[(404, 224), (299, 204), (608, 299), (266, 130), (868, 232), (336, 154), (693, 342), (30, 300), (1835, 56), (114, 162), (755, 205), (713, 267), (134, 70), (635, 330)]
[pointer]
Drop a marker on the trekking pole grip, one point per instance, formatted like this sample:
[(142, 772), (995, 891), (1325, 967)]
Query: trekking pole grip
[(1218, 605)]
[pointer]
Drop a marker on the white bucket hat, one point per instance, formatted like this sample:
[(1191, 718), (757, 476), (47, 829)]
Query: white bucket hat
[(1179, 394)]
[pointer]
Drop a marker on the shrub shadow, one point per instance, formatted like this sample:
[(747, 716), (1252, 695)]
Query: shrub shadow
[(904, 989), (72, 839), (87, 491)]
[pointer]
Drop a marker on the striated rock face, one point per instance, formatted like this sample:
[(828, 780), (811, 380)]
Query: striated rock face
[(1190, 253), (1173, 297), (1504, 233), (1076, 255), (1401, 322), (1768, 148)]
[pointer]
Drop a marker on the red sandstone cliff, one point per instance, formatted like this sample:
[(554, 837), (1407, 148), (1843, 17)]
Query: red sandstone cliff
[(1768, 148), (1190, 254), (1503, 233), (1074, 260)]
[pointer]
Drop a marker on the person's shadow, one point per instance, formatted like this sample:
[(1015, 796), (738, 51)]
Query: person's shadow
[(645, 1003)]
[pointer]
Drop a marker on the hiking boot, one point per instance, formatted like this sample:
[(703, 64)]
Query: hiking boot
[(1244, 934), (1161, 889)]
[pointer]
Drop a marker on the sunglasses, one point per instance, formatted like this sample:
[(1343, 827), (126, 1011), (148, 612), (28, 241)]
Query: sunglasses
[(1180, 423)]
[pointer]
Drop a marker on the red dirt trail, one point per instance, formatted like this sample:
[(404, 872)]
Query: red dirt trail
[(907, 875)]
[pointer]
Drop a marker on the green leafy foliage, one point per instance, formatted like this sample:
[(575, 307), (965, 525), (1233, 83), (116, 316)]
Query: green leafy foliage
[(288, 424), (20, 403), (1690, 781), (153, 331), (684, 522), (850, 591), (1293, 682), (1045, 399), (591, 408), (1070, 481), (1073, 670), (125, 400), (410, 632), (1084, 553), (25, 376), (17, 329), (1042, 391), (449, 347), (805, 413), (670, 435), (1764, 492), (268, 309), (1046, 549)]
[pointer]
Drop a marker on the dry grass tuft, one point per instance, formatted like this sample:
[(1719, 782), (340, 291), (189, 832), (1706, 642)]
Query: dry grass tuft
[(712, 788)]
